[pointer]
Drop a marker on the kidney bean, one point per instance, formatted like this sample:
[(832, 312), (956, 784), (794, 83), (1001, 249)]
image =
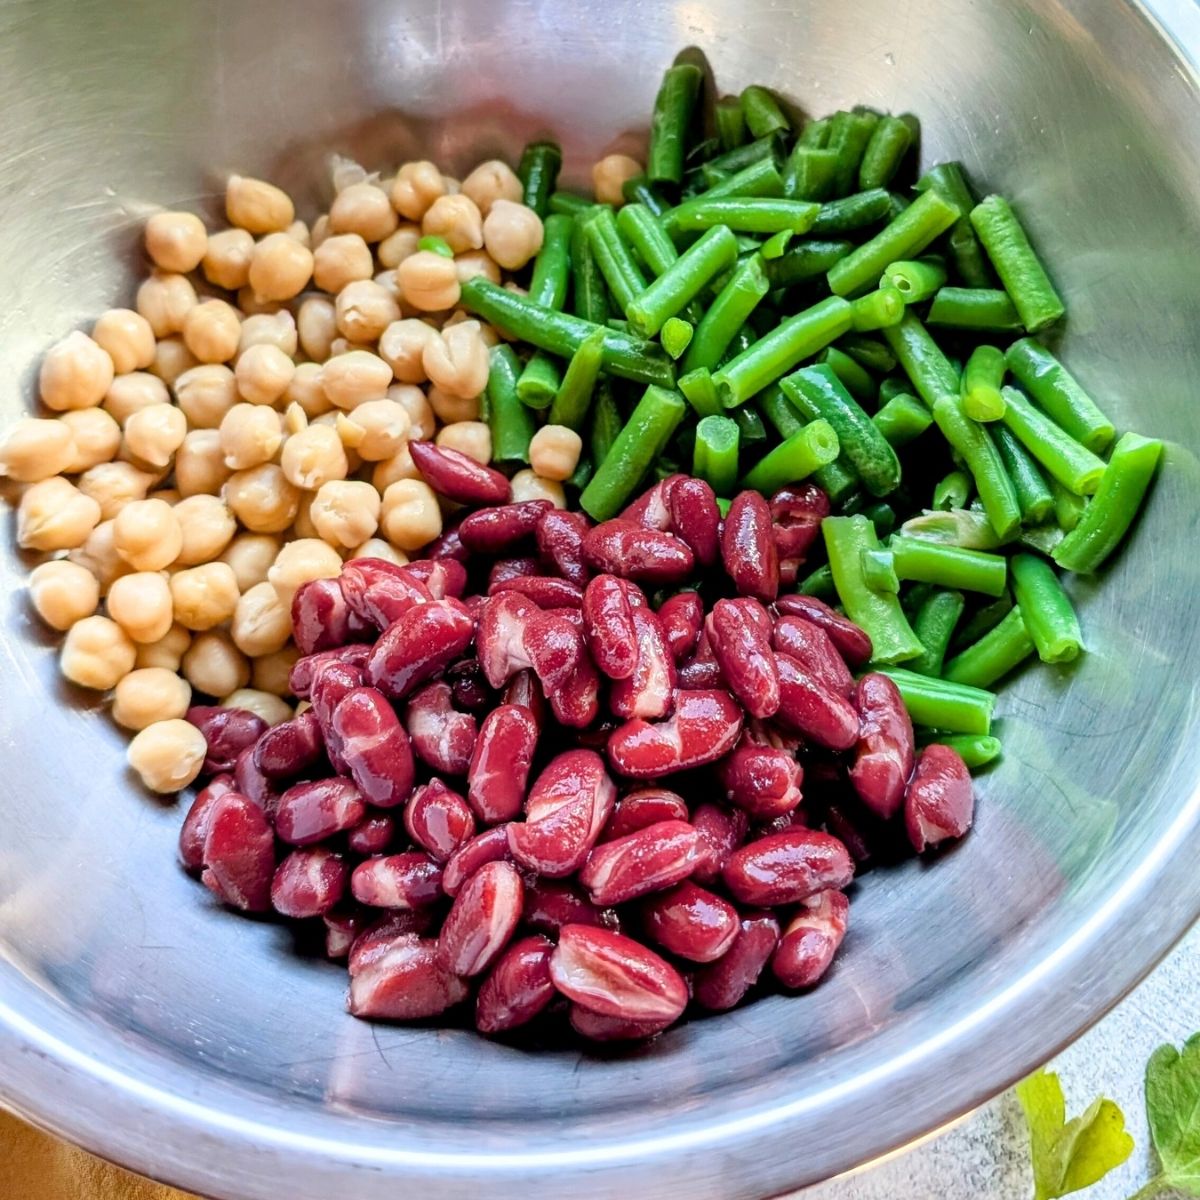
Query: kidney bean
[(795, 818), (500, 640), (608, 626), (377, 931), (482, 919), (320, 616), (599, 1028), (523, 689), (560, 543), (308, 883), (704, 727), (438, 820), (631, 551), (374, 746), (504, 569), (811, 939), (648, 692), (239, 854), (499, 769), (250, 782), (418, 645), (518, 987), (495, 530), (459, 477), (443, 577), (195, 824), (822, 716), (228, 731), (814, 650), (940, 803), (739, 632), (748, 548), (648, 860), (682, 617), (468, 688), (883, 753), (701, 672), (695, 517), (316, 809), (762, 781), (556, 649), (852, 643), (342, 926), (721, 831), (552, 903), (486, 847), (372, 835), (405, 983), (848, 827), (548, 592), (691, 922), (448, 546), (380, 592), (305, 670), (568, 805), (291, 748), (614, 976), (786, 868), (720, 985), (796, 516), (442, 737), (650, 509), (408, 880), (768, 733), (645, 806), (331, 684), (595, 736)]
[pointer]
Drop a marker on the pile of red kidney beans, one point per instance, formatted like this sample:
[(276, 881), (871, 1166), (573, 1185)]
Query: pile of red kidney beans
[(541, 773)]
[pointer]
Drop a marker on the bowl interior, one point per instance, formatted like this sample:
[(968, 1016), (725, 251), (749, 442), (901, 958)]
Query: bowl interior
[(139, 1018)]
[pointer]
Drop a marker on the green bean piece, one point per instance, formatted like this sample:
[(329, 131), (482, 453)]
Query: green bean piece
[(974, 749), (949, 566), (792, 340), (1047, 609), (1059, 394), (836, 479), (1044, 539), (814, 134), (762, 112), (819, 583), (760, 178), (994, 655), (804, 261), (714, 252), (538, 172), (878, 613), (561, 334), (1068, 507), (438, 245), (623, 276), (934, 624), (1073, 465), (849, 134), (981, 382), (750, 425), (728, 313), (893, 386), (930, 371), (742, 341), (589, 292), (879, 570), (930, 215), (1118, 498), (1018, 266), (780, 411), (700, 392), (676, 336), (878, 310), (644, 232), (574, 395), (568, 204), (965, 249), (604, 422), (980, 310), (851, 212), (671, 121), (1033, 493), (639, 190), (971, 440), (737, 158), (582, 475), (964, 527), (715, 454), (795, 459), (890, 140), (952, 491), (868, 352), (916, 279), (942, 704), (552, 267), (981, 621), (744, 214), (882, 516), (731, 122), (810, 173), (902, 420), (776, 245), (539, 381), (855, 378), (640, 442), (510, 421)]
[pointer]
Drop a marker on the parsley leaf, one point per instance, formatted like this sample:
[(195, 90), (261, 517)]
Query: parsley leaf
[(1070, 1155), (1173, 1110)]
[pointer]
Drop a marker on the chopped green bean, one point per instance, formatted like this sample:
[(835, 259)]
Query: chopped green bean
[(744, 214), (639, 190), (1073, 465), (731, 122), (1033, 494), (676, 336), (955, 527), (776, 245), (713, 253), (810, 173), (902, 419), (623, 276), (804, 261), (761, 178), (836, 479), (673, 108), (605, 422), (942, 704), (994, 655), (934, 624), (552, 267), (569, 204), (700, 391), (976, 750), (438, 245), (1016, 262), (815, 133), (1046, 608), (1068, 507), (727, 314), (574, 395), (762, 112), (878, 309), (981, 310), (972, 441), (964, 246), (852, 212), (818, 583), (750, 425), (795, 459), (882, 516), (856, 379), (981, 621), (949, 566), (715, 455), (981, 381), (510, 421), (1059, 394), (589, 292), (644, 232), (879, 570), (889, 143), (930, 371), (539, 381), (538, 172), (916, 279), (1044, 539), (952, 491), (868, 352), (738, 158), (849, 133)]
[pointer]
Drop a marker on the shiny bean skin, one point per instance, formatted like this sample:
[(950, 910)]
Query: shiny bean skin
[(374, 747)]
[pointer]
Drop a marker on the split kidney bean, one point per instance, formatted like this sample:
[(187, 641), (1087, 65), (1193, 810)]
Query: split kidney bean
[(598, 1027), (468, 688), (648, 692), (305, 670), (486, 847), (524, 690), (418, 645), (614, 976), (682, 617), (317, 809), (374, 747), (704, 727), (883, 753), (785, 868), (250, 782), (442, 737), (499, 769), (482, 919), (560, 543), (940, 803), (459, 477), (748, 548), (551, 903), (448, 546), (650, 509), (228, 731), (701, 672), (645, 806), (320, 616), (820, 715), (739, 632), (811, 939), (645, 861), (768, 733), (291, 748), (631, 551), (372, 835), (518, 987), (380, 592), (722, 984), (331, 684), (195, 824), (543, 590), (408, 880), (721, 831), (377, 932), (853, 644), (691, 922), (848, 827), (308, 883), (239, 854), (342, 926), (814, 650), (495, 530), (796, 516), (444, 578), (695, 517), (500, 640), (762, 781), (405, 983), (438, 820), (560, 659), (608, 626)]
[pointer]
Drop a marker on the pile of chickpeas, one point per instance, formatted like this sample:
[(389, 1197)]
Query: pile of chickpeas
[(244, 428)]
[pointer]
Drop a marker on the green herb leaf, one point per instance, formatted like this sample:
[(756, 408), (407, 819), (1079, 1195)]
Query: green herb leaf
[(1173, 1110), (1070, 1155)]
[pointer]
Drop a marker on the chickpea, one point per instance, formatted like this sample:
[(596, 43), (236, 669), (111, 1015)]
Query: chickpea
[(351, 378), (340, 260), (345, 512), (126, 337), (294, 419), (98, 555), (316, 323), (376, 429), (250, 434), (402, 346), (377, 547), (167, 755), (272, 672), (529, 485), (476, 263), (164, 299), (302, 526), (36, 449), (456, 220), (147, 535), (169, 496), (451, 409), (306, 391), (150, 694), (391, 470), (63, 592), (97, 653), (313, 457), (206, 393), (212, 330), (204, 596), (270, 329), (428, 281), (319, 232), (299, 562), (212, 664), (227, 258), (472, 438), (176, 241), (364, 310), (141, 604), (154, 434), (263, 373), (95, 436), (172, 358), (167, 652), (512, 234), (398, 246), (257, 206), (114, 485), (416, 186), (410, 516), (251, 555), (261, 623), (491, 181), (610, 173), (422, 420), (299, 230), (554, 452), (250, 304), (267, 705), (281, 267), (262, 498), (208, 527), (75, 373), (363, 208), (456, 360), (129, 393), (55, 515)]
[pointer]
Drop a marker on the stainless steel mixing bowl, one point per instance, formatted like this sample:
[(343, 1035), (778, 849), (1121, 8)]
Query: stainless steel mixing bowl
[(143, 1022)]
